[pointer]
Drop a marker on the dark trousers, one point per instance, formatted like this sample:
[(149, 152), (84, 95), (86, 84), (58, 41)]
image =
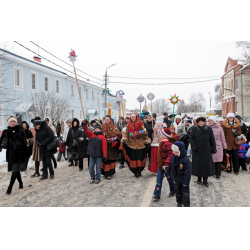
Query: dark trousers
[(47, 165), (53, 159), (26, 162), (14, 176), (81, 163), (182, 195), (217, 168), (242, 163), (59, 156), (233, 156)]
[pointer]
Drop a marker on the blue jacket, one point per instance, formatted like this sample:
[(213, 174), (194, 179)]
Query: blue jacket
[(180, 166), (243, 150)]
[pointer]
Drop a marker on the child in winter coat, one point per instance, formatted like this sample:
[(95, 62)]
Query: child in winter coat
[(242, 151), (97, 149), (181, 169), (165, 154), (61, 150)]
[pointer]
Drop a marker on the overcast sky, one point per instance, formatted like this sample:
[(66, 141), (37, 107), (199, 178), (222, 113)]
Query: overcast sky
[(168, 59)]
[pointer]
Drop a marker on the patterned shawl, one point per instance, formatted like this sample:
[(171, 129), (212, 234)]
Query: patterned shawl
[(134, 126), (110, 130)]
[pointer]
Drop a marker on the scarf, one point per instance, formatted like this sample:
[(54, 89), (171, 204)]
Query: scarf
[(110, 130), (134, 126)]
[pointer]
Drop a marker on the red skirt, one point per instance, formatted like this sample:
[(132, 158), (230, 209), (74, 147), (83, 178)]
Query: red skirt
[(153, 166)]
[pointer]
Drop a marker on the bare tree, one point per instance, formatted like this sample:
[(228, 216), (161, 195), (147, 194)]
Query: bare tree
[(161, 105), (196, 102), (218, 95), (48, 104), (245, 46), (182, 107)]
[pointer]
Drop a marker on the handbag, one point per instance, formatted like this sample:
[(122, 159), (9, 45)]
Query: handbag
[(54, 144), (4, 143), (239, 141)]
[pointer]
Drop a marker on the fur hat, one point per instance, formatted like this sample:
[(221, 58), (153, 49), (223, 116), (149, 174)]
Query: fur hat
[(165, 113), (189, 121), (166, 132), (201, 119), (213, 118), (36, 118), (178, 117), (175, 148), (11, 118), (221, 119), (159, 119), (230, 115), (97, 126), (93, 121)]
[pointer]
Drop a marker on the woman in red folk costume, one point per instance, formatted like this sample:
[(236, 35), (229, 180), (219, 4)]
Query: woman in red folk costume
[(135, 150), (113, 136)]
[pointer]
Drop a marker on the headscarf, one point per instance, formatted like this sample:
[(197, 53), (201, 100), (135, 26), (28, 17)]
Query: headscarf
[(110, 130), (136, 125)]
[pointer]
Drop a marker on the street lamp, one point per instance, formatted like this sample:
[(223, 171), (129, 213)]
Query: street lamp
[(105, 98), (210, 100), (151, 97)]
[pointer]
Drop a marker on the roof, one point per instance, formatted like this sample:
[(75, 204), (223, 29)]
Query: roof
[(31, 61), (244, 67), (24, 107)]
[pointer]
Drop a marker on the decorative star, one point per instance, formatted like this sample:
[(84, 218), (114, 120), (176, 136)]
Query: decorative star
[(174, 99), (72, 56)]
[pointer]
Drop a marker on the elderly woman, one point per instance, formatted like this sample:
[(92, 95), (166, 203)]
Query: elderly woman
[(135, 150), (231, 128), (13, 139), (221, 145), (203, 146), (179, 126)]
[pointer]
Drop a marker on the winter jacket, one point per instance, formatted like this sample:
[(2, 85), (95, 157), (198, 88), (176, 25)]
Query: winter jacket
[(183, 171), (150, 129), (220, 142), (51, 125), (243, 150), (82, 144), (229, 135), (180, 128), (17, 150), (165, 152), (44, 136), (203, 145), (28, 137), (168, 122), (62, 147), (97, 147)]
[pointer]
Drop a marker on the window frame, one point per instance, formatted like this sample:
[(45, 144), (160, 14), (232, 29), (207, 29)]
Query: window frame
[(59, 87), (36, 90), (48, 91), (20, 87), (87, 93), (72, 91)]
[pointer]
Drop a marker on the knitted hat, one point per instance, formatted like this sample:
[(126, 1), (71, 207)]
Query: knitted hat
[(213, 118), (97, 126), (201, 119), (11, 118), (166, 132), (178, 117), (93, 121), (36, 118), (175, 148), (159, 119), (221, 119), (230, 115), (189, 121)]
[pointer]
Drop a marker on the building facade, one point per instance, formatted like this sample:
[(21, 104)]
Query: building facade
[(21, 78)]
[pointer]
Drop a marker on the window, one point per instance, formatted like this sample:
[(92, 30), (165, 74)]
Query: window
[(93, 94), (73, 113), (1, 80), (87, 93), (236, 84), (46, 84), (57, 87), (236, 107), (232, 84), (34, 82), (18, 78), (1, 116), (72, 90)]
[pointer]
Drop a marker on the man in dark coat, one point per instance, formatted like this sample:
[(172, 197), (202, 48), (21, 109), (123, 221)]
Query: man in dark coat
[(150, 129), (72, 151), (83, 142), (58, 129), (203, 146), (166, 120), (44, 136)]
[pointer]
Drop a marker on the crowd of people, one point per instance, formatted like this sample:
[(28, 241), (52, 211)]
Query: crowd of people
[(176, 147)]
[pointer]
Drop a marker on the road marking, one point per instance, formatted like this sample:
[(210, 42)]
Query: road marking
[(149, 193)]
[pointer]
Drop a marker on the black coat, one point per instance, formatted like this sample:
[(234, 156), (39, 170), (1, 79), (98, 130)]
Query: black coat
[(203, 145), (17, 150), (82, 145), (44, 136), (150, 129), (168, 122), (28, 135), (244, 129)]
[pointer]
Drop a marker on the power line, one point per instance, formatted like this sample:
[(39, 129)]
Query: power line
[(163, 78), (66, 62), (55, 63)]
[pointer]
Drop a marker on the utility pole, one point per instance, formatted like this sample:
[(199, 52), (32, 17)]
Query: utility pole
[(105, 97)]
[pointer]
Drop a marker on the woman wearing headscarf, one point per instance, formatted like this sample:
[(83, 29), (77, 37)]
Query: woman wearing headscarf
[(72, 143), (13, 139), (179, 126), (203, 146), (221, 145), (135, 150), (113, 136), (153, 166)]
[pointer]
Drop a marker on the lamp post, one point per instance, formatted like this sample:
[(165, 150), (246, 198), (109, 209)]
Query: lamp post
[(210, 100), (106, 80), (150, 97), (140, 99)]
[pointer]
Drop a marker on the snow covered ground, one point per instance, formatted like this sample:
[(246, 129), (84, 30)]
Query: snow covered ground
[(3, 156)]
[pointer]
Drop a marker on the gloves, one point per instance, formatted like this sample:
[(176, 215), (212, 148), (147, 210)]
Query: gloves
[(214, 151), (224, 151), (124, 140), (105, 160), (42, 144), (235, 132), (81, 138), (114, 144), (165, 167), (85, 122), (0, 149)]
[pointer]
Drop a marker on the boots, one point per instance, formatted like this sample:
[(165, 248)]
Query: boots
[(75, 163), (19, 178), (12, 181), (205, 183), (199, 180), (37, 163), (71, 163)]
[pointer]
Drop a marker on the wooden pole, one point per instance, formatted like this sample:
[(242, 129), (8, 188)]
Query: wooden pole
[(79, 90)]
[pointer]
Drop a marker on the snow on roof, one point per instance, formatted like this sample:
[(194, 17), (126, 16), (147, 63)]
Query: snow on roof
[(244, 67), (24, 107)]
